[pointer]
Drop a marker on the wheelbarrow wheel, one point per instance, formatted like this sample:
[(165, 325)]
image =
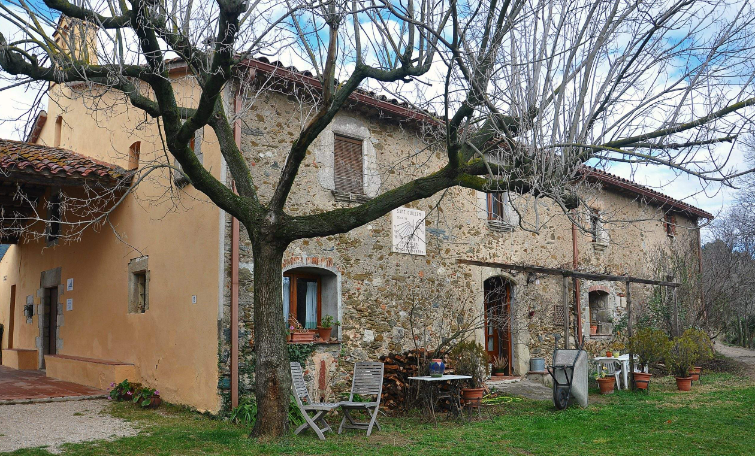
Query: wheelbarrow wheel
[(560, 397)]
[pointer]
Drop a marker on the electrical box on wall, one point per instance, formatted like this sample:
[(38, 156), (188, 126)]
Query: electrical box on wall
[(193, 299)]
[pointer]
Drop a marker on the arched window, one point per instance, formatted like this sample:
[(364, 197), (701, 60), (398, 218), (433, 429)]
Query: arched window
[(133, 155), (310, 294), (58, 128)]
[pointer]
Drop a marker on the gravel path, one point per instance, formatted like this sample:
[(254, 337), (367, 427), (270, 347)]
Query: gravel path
[(743, 355), (51, 424)]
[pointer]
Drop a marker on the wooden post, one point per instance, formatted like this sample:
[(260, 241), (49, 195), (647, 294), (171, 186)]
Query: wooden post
[(565, 294), (629, 334)]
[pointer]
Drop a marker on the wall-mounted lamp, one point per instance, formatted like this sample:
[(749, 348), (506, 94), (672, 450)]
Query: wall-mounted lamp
[(28, 310)]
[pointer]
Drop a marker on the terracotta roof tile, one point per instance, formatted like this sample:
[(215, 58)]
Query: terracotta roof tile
[(56, 162), (650, 194)]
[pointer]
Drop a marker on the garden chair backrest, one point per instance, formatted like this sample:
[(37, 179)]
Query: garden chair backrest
[(300, 388), (368, 379)]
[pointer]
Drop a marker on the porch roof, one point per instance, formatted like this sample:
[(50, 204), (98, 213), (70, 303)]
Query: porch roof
[(54, 166)]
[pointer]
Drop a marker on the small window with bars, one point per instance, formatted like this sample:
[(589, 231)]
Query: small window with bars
[(348, 166)]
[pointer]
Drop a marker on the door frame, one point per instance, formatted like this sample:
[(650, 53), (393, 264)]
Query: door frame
[(505, 307), (11, 315)]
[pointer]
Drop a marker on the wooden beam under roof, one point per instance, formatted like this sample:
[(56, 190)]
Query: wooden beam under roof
[(566, 273)]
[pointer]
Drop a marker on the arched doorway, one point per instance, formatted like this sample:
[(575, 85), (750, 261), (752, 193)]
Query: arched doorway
[(498, 319)]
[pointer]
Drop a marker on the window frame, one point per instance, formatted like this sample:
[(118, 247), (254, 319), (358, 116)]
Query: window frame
[(293, 302), (138, 285), (134, 152)]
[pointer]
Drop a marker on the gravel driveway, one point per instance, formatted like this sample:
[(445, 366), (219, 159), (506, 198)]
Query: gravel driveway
[(51, 424)]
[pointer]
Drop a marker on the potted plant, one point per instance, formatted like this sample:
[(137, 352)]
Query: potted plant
[(499, 366), (680, 358), (299, 334), (147, 398), (705, 350), (470, 358), (649, 345), (326, 327), (593, 330), (606, 382)]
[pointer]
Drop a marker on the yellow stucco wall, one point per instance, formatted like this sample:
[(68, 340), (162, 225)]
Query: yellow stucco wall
[(174, 344)]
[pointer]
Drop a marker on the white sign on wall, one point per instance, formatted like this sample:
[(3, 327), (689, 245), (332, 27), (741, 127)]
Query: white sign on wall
[(69, 304), (408, 227), (69, 285)]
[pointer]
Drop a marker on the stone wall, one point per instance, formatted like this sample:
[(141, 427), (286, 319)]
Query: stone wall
[(392, 302)]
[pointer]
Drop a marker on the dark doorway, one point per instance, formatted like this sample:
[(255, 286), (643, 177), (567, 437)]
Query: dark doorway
[(49, 340), (498, 320)]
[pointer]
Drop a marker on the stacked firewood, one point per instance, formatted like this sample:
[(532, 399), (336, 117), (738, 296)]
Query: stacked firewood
[(400, 393)]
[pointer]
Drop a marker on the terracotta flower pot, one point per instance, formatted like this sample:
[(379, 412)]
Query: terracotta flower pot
[(303, 337), (642, 379), (471, 396), (324, 333), (609, 354), (695, 373), (593, 330), (154, 402), (684, 383), (606, 385)]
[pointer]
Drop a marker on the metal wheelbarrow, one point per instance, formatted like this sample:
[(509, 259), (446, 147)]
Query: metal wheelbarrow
[(569, 373)]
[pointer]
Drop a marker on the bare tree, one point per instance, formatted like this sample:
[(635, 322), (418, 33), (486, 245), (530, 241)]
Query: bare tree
[(526, 91)]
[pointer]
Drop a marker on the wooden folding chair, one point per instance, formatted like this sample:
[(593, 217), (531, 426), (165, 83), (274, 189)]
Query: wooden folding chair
[(368, 381), (306, 406)]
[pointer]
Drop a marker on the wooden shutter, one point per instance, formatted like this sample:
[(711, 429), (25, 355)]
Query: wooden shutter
[(348, 169)]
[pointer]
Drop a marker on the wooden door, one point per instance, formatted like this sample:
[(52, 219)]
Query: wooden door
[(498, 319)]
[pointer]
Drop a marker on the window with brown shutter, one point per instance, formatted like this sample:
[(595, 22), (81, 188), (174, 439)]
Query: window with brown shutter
[(348, 169)]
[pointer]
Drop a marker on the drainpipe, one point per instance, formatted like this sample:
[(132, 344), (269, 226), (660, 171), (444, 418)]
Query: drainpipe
[(575, 264), (235, 275)]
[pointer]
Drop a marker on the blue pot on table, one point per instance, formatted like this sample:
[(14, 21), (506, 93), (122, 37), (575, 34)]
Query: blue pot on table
[(437, 368)]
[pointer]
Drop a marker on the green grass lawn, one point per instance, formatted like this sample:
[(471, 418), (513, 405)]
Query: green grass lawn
[(716, 418)]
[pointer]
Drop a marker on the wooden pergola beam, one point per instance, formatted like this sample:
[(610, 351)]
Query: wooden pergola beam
[(567, 273)]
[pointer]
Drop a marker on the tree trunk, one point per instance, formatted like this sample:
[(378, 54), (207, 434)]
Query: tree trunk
[(272, 371)]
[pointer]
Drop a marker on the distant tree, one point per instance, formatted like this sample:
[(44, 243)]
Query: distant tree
[(526, 92)]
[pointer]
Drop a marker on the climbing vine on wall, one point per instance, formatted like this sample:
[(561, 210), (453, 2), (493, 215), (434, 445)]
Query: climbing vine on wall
[(300, 352)]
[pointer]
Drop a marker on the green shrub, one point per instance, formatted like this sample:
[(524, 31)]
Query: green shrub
[(649, 345), (245, 412), (681, 356), (703, 342), (470, 358), (133, 392)]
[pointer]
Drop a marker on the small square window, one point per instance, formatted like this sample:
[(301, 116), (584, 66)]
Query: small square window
[(138, 285)]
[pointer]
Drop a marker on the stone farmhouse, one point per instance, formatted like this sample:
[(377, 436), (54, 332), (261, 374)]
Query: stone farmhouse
[(161, 292)]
